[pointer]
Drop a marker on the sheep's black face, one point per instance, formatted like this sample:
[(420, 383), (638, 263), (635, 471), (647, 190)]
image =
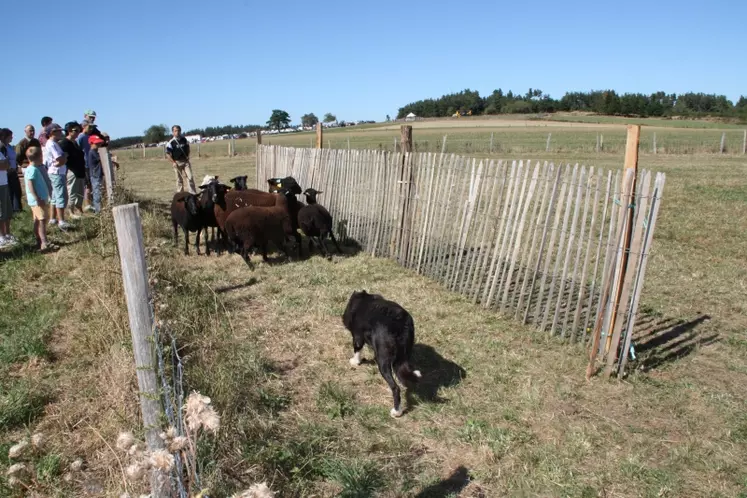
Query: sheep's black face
[(290, 183), (191, 203), (239, 182), (311, 194)]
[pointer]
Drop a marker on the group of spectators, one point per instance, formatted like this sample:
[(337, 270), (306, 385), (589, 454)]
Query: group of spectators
[(61, 170)]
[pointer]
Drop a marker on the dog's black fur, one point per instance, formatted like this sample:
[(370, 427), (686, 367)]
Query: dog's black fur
[(390, 331)]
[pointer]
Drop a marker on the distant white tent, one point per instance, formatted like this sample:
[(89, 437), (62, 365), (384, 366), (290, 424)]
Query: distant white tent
[(410, 117)]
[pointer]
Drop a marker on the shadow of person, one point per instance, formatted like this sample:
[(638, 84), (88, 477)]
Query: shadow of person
[(450, 486), (437, 372)]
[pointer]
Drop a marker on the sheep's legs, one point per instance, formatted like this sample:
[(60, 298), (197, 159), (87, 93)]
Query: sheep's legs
[(320, 244), (186, 241), (197, 241), (176, 233)]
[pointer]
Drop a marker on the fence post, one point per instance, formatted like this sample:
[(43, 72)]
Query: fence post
[(723, 142), (106, 165), (348, 143), (744, 143), (491, 142), (164, 151), (655, 143), (404, 222), (135, 281), (597, 143), (198, 148), (443, 145), (319, 135), (143, 150), (258, 155), (547, 147), (631, 162)]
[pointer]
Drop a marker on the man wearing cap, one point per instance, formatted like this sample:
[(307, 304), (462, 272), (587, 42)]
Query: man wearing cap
[(55, 160), (177, 151), (95, 170)]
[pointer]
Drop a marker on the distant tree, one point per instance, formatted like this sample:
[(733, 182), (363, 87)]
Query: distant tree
[(309, 119), (155, 134), (330, 118), (388, 118), (279, 119)]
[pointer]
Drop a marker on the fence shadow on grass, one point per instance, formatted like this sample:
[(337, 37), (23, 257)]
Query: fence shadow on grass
[(437, 372), (451, 486), (669, 340)]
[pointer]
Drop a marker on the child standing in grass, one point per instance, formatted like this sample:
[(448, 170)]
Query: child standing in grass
[(6, 208), (37, 195)]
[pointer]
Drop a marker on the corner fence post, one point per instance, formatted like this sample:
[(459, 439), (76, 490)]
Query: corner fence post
[(404, 222), (135, 280)]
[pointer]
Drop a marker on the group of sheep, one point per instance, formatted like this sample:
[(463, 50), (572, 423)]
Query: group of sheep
[(250, 218)]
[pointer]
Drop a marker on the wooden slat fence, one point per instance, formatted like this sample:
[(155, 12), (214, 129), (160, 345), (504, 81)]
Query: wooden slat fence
[(536, 241)]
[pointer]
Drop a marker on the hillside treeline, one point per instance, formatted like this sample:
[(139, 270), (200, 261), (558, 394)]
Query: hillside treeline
[(659, 104), (210, 131)]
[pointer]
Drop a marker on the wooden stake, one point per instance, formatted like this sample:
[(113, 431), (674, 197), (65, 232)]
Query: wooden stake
[(135, 280), (723, 142), (631, 163), (547, 147), (655, 151), (109, 181), (319, 136), (744, 143), (491, 142), (597, 258)]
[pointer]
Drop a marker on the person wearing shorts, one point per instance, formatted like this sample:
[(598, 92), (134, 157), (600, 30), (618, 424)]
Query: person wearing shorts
[(37, 195), (56, 160)]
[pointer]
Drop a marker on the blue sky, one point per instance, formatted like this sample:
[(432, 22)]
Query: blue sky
[(201, 63)]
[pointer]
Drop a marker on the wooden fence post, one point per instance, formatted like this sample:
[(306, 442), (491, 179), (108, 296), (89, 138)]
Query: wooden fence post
[(143, 150), (404, 222), (547, 147), (198, 148), (723, 142), (106, 165), (258, 155), (135, 280), (744, 143), (631, 162), (319, 135), (491, 142), (655, 151)]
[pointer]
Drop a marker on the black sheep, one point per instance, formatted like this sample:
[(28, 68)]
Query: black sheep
[(239, 182), (212, 194), (250, 226), (316, 223), (185, 212)]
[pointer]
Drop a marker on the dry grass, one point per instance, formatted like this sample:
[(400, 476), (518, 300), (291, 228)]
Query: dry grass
[(502, 410)]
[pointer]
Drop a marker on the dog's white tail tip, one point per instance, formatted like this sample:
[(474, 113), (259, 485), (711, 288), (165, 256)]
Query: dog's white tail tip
[(417, 373)]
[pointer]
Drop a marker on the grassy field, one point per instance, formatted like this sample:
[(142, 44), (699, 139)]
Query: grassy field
[(502, 410), (517, 135)]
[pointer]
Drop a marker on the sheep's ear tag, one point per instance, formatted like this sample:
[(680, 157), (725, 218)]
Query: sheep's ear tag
[(280, 185), (300, 230)]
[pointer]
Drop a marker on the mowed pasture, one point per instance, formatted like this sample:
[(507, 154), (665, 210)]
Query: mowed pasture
[(483, 137), (507, 404), (503, 410)]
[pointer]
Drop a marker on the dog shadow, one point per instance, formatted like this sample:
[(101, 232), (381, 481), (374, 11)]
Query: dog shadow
[(452, 485), (437, 372)]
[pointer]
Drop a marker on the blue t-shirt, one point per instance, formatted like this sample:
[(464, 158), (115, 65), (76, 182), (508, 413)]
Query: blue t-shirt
[(34, 175), (94, 164)]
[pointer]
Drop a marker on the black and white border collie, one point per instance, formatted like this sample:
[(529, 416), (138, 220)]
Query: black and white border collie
[(390, 331)]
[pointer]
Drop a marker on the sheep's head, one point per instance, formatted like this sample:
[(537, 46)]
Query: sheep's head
[(311, 194), (289, 183), (215, 191), (239, 182)]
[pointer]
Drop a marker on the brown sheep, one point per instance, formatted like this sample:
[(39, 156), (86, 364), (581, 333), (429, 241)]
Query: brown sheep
[(250, 226)]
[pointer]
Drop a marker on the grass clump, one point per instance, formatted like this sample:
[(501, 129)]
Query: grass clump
[(358, 478), (335, 401), (21, 403)]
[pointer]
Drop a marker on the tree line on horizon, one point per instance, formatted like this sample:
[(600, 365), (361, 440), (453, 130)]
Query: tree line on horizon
[(607, 102), (160, 132)]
